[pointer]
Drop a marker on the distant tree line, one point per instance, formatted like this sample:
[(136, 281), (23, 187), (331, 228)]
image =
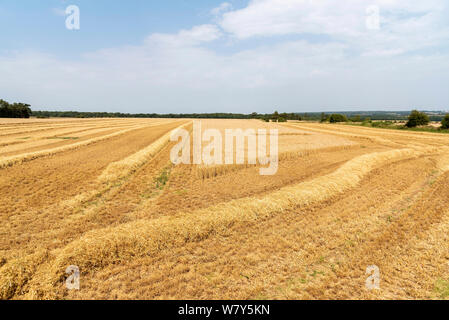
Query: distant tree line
[(281, 117), (76, 114), (414, 119), (336, 117), (14, 110), (278, 117)]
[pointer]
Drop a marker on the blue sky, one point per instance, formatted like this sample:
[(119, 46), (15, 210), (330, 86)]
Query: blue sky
[(38, 25), (234, 56)]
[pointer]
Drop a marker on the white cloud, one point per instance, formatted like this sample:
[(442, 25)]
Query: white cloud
[(281, 17), (406, 25), (224, 7), (194, 36), (180, 72)]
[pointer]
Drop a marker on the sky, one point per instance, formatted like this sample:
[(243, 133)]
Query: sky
[(197, 56)]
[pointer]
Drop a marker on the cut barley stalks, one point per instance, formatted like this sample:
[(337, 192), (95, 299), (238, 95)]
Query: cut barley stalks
[(122, 168), (206, 172), (25, 157), (99, 248)]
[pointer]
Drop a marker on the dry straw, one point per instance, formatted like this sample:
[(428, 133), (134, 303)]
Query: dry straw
[(17, 272), (370, 138), (207, 172), (122, 168), (99, 248), (25, 157)]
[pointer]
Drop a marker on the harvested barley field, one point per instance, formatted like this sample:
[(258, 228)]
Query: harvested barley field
[(105, 196)]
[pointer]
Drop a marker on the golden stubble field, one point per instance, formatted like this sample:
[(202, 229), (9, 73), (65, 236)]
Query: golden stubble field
[(103, 195)]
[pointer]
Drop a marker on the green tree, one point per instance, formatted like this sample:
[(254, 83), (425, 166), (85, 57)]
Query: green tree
[(356, 118), (15, 110), (334, 118), (417, 118), (324, 117), (445, 122)]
